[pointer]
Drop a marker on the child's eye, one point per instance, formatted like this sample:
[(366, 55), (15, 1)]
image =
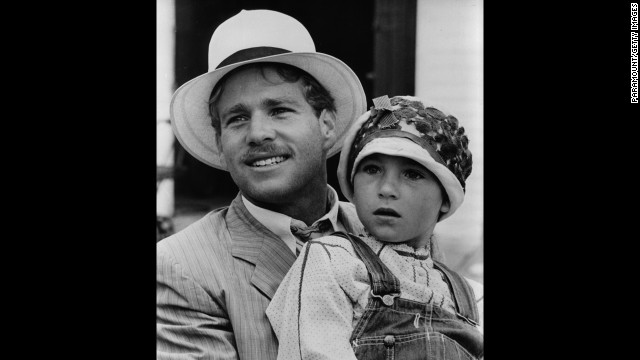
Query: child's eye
[(370, 169), (413, 175)]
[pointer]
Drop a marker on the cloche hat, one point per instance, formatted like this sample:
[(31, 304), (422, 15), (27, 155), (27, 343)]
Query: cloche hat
[(253, 36), (404, 126)]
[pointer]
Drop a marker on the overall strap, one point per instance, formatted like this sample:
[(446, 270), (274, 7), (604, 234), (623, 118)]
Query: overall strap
[(463, 295), (382, 280)]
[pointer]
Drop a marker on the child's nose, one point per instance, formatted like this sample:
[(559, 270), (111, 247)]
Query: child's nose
[(388, 188)]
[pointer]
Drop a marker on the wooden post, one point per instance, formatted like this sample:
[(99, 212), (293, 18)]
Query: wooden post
[(394, 29)]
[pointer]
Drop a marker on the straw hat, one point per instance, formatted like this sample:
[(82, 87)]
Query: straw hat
[(260, 36)]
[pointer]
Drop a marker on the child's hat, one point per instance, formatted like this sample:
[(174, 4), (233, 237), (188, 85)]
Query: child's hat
[(260, 36), (403, 126)]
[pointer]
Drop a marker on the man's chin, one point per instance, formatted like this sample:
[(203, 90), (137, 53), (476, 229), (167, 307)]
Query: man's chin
[(269, 191)]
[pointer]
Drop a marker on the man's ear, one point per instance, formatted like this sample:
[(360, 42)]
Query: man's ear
[(220, 152), (328, 128)]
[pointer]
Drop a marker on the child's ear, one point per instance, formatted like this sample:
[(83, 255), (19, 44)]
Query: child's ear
[(328, 128)]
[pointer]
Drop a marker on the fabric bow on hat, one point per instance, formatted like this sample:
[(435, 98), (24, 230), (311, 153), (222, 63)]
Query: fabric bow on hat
[(382, 106)]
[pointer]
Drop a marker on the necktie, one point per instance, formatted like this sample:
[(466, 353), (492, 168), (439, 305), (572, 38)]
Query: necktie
[(304, 233)]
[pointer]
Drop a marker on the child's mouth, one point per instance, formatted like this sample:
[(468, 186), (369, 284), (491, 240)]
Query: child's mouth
[(386, 212)]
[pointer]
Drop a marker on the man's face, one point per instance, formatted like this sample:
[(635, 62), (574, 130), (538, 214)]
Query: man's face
[(273, 143)]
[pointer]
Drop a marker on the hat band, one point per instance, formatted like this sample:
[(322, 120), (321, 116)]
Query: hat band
[(403, 134), (250, 54)]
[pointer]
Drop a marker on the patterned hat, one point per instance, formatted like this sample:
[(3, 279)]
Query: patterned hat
[(403, 126)]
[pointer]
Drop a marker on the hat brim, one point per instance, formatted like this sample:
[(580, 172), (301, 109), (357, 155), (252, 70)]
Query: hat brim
[(189, 107), (401, 147)]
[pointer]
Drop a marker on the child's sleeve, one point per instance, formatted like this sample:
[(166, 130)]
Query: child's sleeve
[(310, 313)]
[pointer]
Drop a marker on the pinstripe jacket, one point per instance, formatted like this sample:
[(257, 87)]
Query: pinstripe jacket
[(215, 280)]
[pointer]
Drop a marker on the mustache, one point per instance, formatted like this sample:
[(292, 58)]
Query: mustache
[(264, 151)]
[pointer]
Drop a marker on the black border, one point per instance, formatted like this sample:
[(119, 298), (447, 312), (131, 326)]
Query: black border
[(559, 181)]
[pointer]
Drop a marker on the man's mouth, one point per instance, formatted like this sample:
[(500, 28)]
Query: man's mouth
[(268, 161), (386, 212)]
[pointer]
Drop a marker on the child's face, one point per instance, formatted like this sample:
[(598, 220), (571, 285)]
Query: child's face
[(397, 199)]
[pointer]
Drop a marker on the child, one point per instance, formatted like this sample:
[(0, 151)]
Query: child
[(380, 294)]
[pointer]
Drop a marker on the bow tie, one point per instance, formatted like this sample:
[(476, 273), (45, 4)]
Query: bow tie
[(304, 233)]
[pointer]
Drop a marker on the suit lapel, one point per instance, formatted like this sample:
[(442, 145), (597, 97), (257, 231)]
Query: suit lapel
[(254, 243)]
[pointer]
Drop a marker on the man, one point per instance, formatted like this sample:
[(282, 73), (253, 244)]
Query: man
[(270, 111)]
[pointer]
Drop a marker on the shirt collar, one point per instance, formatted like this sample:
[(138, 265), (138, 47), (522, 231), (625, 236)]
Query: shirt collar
[(280, 224), (332, 215)]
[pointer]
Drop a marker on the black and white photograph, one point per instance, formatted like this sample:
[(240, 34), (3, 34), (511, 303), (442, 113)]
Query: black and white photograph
[(320, 179)]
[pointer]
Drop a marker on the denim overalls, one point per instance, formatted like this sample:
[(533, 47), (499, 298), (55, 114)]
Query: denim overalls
[(391, 327)]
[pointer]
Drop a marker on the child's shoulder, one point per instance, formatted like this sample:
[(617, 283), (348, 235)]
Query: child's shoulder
[(334, 244), (338, 247), (373, 243)]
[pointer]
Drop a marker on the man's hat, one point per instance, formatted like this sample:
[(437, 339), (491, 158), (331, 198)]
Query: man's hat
[(253, 36)]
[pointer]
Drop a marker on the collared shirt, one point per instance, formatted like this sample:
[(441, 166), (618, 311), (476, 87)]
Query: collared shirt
[(280, 224)]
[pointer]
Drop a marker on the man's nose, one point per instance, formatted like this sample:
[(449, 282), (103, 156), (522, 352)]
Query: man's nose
[(260, 130)]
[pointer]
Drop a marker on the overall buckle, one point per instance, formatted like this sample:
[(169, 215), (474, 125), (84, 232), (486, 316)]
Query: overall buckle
[(386, 299)]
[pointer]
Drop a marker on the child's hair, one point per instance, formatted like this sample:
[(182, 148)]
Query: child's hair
[(403, 126)]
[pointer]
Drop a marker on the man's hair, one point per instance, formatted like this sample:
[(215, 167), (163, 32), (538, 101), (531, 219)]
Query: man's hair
[(314, 93)]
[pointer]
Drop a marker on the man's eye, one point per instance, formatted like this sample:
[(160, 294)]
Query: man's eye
[(413, 175), (235, 119), (279, 111)]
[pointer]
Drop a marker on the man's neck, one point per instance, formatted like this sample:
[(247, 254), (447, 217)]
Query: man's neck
[(308, 207)]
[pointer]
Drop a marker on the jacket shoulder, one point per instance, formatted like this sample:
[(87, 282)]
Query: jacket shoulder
[(204, 233)]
